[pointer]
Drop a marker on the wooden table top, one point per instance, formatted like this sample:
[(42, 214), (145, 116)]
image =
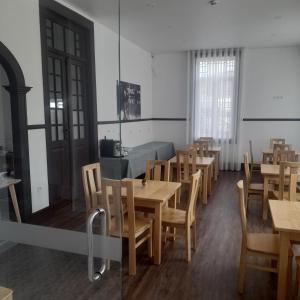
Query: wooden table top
[(200, 161), (270, 151), (268, 169), (285, 215), (157, 191), (7, 181), (215, 149), (4, 293)]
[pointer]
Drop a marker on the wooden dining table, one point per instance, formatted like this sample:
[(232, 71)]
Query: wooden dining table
[(9, 182), (286, 220), (154, 195), (268, 155), (206, 164), (269, 173)]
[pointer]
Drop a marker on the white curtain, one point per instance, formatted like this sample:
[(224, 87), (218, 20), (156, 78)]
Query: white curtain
[(214, 101)]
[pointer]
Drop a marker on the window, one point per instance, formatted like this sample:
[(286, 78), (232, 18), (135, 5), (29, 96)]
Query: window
[(216, 82)]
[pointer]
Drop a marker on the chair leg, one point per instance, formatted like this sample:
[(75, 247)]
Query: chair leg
[(188, 242), (132, 257), (150, 242), (242, 269), (194, 236)]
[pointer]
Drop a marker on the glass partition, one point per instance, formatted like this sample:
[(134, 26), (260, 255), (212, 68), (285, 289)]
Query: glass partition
[(59, 69)]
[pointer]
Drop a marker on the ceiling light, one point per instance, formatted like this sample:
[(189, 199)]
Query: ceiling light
[(151, 4), (213, 2)]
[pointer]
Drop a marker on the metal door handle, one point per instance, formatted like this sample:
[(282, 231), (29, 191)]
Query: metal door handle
[(93, 276)]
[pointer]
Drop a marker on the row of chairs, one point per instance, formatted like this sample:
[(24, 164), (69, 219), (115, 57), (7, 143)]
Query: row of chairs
[(121, 215)]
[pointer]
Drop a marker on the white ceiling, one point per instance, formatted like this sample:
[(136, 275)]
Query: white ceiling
[(175, 25)]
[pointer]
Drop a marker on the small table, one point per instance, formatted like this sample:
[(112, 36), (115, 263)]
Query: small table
[(286, 220), (268, 155), (206, 164), (154, 195), (215, 151), (269, 172), (5, 294), (8, 182)]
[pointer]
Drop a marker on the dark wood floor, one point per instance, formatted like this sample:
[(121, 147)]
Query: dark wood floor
[(212, 273)]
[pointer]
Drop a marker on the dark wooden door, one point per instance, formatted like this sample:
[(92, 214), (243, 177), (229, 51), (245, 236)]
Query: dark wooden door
[(68, 105), (58, 132), (79, 125)]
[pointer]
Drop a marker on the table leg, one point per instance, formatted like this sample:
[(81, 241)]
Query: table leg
[(173, 205), (218, 163), (157, 235), (216, 167), (283, 266), (15, 201), (265, 197), (209, 183), (204, 185)]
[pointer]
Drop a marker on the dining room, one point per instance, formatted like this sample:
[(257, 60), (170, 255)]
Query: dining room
[(149, 149)]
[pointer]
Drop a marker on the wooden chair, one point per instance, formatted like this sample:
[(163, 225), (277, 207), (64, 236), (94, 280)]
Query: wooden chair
[(282, 147), (210, 140), (121, 218), (185, 219), (283, 155), (258, 245), (276, 141), (186, 165), (157, 170), (254, 166), (288, 189), (91, 178), (200, 148), (297, 287), (251, 188)]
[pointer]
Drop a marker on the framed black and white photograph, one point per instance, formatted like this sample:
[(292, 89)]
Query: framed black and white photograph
[(129, 105)]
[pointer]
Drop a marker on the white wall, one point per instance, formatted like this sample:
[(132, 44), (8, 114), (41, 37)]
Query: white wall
[(170, 96), (270, 89), (22, 38), (135, 68)]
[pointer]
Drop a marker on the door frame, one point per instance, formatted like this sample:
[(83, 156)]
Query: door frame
[(18, 90), (55, 9)]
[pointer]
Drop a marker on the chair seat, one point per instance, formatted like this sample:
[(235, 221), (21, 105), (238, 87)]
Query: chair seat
[(141, 225), (259, 187), (173, 216), (266, 243), (285, 195)]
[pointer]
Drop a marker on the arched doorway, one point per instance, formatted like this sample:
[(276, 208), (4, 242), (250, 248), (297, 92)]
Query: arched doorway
[(17, 90)]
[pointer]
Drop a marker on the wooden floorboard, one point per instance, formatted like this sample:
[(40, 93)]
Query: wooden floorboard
[(212, 273)]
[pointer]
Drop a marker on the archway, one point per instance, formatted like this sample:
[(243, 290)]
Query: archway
[(18, 91)]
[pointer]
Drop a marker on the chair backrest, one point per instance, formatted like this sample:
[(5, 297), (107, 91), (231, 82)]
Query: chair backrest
[(186, 164), (292, 181), (276, 141), (200, 148), (251, 152), (193, 196), (283, 155), (157, 170), (117, 207), (204, 146), (243, 217), (247, 168), (210, 140), (91, 178), (282, 147)]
